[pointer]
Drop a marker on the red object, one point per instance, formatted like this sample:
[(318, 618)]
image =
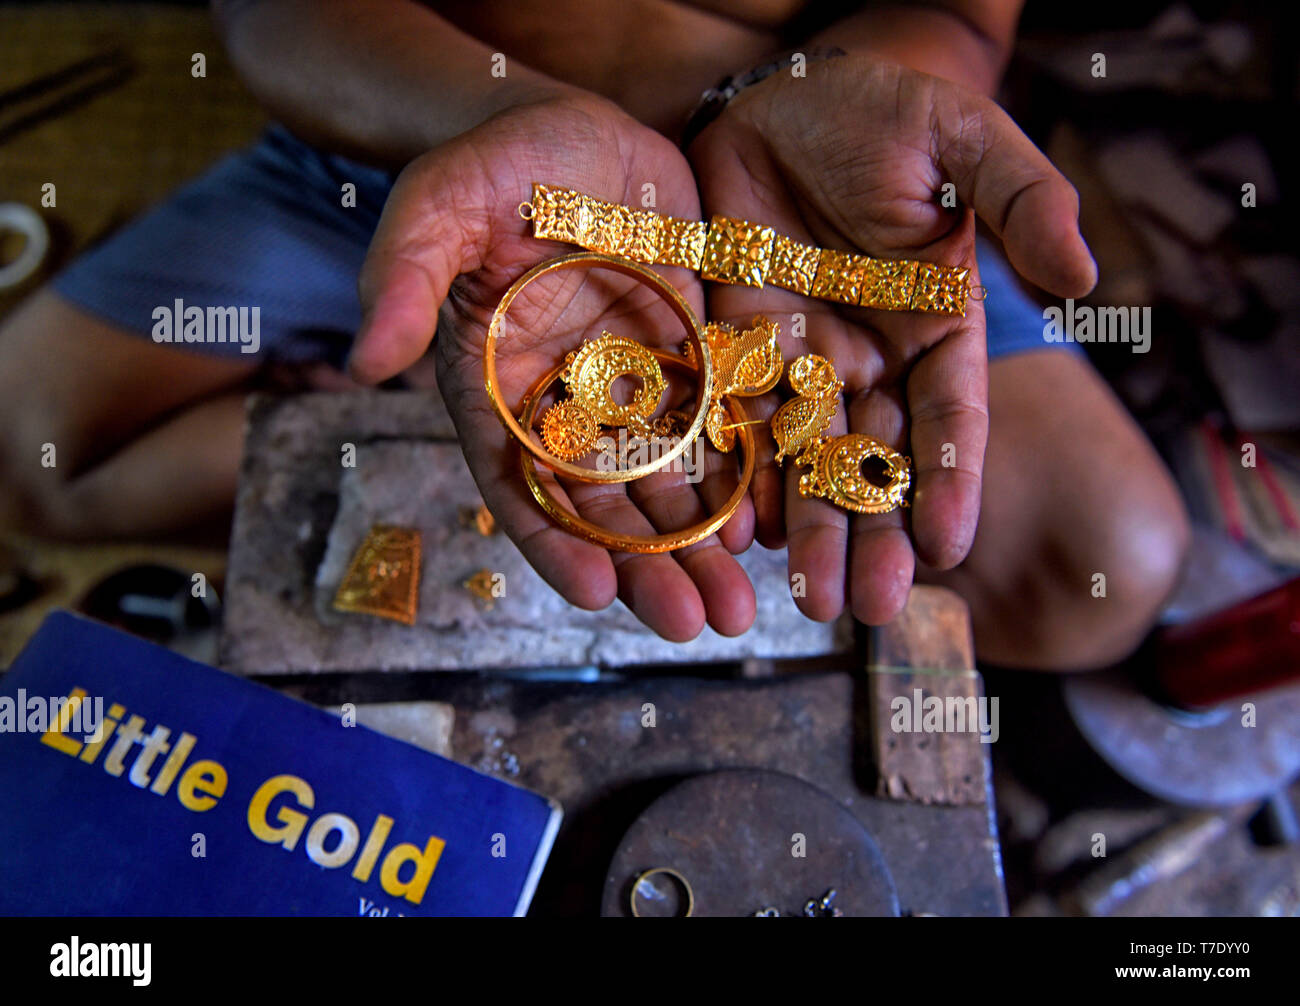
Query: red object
[(1250, 647)]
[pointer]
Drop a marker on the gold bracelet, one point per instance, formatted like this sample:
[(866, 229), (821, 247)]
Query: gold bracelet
[(669, 294), (598, 535), (728, 250)]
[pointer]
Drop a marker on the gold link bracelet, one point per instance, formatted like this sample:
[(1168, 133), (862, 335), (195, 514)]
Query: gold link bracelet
[(727, 250)]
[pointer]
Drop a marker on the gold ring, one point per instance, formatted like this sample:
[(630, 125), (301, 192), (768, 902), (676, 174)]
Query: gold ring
[(668, 872), (679, 307), (598, 535)]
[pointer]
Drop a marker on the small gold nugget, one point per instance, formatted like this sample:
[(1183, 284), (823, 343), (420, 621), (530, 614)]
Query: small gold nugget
[(483, 585), (479, 518), (383, 578)]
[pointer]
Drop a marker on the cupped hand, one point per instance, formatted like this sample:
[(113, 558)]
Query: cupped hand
[(856, 156), (449, 244)]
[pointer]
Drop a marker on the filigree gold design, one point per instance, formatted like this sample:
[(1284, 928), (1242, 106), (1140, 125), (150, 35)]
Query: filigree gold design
[(383, 577), (794, 265), (746, 364), (807, 416), (595, 367), (888, 285), (736, 251), (729, 250), (840, 276), (571, 427), (681, 243), (835, 463), (836, 473), (482, 586), (940, 289), (569, 430)]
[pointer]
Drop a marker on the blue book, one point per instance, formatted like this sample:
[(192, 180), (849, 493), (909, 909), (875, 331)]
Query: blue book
[(136, 782)]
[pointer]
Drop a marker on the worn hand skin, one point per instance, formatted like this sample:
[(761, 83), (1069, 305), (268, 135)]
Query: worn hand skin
[(855, 156), (449, 243)]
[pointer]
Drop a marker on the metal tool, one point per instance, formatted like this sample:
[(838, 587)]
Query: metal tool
[(744, 838)]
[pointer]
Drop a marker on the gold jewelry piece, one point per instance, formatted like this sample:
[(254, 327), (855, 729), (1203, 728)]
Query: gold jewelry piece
[(571, 426), (667, 871), (564, 438), (480, 518), (383, 577), (835, 463), (807, 416), (745, 364), (481, 585), (598, 535), (836, 473), (728, 250)]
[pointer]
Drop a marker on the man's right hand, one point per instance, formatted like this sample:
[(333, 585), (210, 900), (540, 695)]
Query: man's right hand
[(449, 244)]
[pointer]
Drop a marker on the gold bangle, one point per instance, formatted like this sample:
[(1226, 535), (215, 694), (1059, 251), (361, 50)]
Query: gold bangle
[(667, 871), (729, 250), (598, 535), (679, 307)]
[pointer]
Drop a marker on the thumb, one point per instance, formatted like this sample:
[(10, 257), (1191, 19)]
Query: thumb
[(1018, 193), (434, 227)]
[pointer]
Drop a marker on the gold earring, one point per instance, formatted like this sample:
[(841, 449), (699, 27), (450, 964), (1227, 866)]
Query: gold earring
[(571, 427), (835, 463), (569, 432), (622, 542), (808, 416), (836, 473), (747, 364)]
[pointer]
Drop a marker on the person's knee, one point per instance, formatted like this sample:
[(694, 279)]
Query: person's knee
[(31, 470), (41, 440), (28, 472), (1108, 572)]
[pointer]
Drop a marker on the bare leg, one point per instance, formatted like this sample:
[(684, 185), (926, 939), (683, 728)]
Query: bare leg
[(1072, 488), (147, 438)]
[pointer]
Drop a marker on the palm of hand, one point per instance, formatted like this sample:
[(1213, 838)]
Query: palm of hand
[(452, 220), (792, 153)]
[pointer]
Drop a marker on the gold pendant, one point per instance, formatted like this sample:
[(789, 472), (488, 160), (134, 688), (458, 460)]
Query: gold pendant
[(571, 427), (383, 578)]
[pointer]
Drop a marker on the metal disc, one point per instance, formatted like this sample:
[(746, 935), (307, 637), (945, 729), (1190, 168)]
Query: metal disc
[(1198, 759), (734, 835)]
